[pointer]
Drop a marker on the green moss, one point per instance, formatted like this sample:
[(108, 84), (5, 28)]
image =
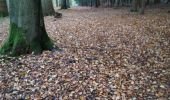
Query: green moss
[(18, 44)]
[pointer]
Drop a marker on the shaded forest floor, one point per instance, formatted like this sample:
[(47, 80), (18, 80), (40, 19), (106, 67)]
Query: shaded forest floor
[(106, 54)]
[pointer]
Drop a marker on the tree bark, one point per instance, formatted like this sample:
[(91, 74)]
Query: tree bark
[(57, 3), (118, 3), (27, 30), (3, 8), (142, 6), (64, 4), (7, 2), (47, 7), (138, 5), (97, 3), (134, 6)]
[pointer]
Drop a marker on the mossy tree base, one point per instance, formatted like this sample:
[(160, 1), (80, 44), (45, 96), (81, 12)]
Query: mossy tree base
[(18, 44), (27, 30)]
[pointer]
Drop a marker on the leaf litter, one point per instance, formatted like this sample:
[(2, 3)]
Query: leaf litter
[(107, 54)]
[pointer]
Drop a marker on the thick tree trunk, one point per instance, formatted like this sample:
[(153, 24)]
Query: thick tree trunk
[(3, 8), (47, 7), (27, 29)]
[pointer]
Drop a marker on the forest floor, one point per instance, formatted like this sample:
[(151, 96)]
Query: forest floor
[(107, 54)]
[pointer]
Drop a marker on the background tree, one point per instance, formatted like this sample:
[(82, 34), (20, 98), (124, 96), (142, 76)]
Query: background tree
[(97, 3), (134, 6), (27, 30), (65, 4), (57, 3), (138, 5), (3, 8), (7, 2), (47, 7), (118, 3), (142, 6)]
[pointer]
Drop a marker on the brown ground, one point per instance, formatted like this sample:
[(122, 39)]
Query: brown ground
[(106, 54)]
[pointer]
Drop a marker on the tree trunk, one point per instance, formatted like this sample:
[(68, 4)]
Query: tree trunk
[(64, 4), (68, 3), (97, 3), (142, 6), (138, 5), (3, 8), (47, 7), (7, 2), (27, 29), (134, 6), (91, 3), (57, 3)]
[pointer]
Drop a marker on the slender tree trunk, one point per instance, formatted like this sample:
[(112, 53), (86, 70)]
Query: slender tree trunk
[(64, 4), (142, 6), (116, 3), (57, 3), (68, 3), (97, 3), (91, 3), (7, 2), (138, 5), (3, 8), (151, 2), (47, 7), (134, 6), (111, 3), (27, 29)]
